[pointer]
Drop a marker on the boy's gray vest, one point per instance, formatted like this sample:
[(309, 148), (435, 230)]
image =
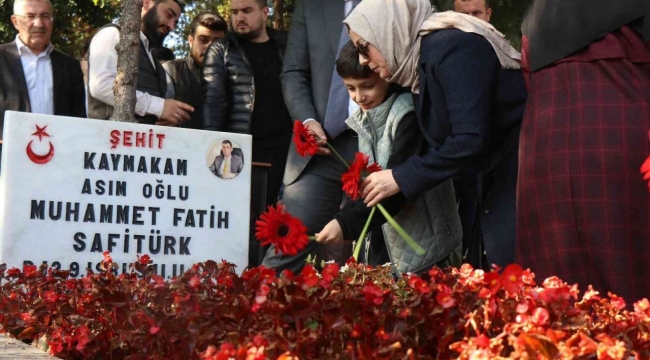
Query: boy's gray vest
[(432, 220), (150, 80)]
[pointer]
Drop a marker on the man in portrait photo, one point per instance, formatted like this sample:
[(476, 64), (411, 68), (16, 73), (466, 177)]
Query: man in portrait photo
[(227, 165)]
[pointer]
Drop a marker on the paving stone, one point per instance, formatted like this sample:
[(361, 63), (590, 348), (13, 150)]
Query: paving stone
[(12, 349)]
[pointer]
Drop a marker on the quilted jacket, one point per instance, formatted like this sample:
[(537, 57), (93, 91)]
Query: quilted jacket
[(228, 84), (432, 219)]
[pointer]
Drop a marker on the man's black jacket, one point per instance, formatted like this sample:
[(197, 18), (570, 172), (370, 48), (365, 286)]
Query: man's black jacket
[(228, 84)]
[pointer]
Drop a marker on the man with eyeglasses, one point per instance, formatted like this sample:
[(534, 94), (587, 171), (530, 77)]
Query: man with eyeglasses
[(159, 17), (34, 77)]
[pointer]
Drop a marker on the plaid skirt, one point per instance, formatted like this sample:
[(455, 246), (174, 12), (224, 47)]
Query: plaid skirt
[(583, 209)]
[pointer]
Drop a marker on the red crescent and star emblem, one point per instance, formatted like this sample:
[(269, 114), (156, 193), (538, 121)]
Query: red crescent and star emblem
[(38, 158)]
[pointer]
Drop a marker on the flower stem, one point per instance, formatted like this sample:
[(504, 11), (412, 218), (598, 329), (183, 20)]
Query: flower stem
[(312, 238), (409, 240), (337, 154), (357, 247)]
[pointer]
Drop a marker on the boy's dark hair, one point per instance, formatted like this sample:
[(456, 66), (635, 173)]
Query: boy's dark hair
[(210, 20), (348, 66), (226, 142)]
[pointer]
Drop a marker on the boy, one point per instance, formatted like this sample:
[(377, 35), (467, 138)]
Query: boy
[(389, 134)]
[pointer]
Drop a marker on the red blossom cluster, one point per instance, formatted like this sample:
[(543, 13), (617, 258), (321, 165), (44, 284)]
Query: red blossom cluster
[(354, 312), (357, 170)]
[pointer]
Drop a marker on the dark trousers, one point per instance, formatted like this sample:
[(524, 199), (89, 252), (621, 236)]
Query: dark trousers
[(268, 190), (487, 213), (315, 197), (277, 157), (466, 189)]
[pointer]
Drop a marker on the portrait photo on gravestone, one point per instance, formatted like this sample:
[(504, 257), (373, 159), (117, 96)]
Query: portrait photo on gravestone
[(225, 159)]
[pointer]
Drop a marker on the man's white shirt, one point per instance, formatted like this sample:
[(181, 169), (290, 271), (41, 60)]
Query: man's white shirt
[(102, 64), (38, 76)]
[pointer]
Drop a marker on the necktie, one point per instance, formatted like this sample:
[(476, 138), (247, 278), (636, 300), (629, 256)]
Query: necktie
[(337, 103), (226, 167)]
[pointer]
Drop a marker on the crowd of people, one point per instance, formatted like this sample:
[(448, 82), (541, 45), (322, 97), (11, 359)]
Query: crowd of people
[(489, 156)]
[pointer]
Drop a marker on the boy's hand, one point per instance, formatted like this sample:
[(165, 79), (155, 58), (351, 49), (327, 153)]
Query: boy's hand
[(315, 128), (378, 186), (330, 234)]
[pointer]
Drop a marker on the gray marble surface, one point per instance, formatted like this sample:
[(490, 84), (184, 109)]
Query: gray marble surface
[(12, 349)]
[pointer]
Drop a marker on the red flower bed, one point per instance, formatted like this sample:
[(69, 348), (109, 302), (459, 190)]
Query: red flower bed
[(352, 313)]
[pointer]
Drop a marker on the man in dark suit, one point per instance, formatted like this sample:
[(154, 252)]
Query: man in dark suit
[(315, 95), (33, 76), (227, 165)]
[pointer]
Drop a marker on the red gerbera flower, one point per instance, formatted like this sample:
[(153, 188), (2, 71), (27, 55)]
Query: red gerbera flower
[(305, 141), (279, 228), (352, 178)]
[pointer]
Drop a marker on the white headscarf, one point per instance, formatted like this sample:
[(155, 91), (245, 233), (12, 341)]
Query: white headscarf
[(395, 28)]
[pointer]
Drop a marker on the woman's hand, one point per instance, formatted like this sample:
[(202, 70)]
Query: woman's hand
[(331, 233), (378, 186)]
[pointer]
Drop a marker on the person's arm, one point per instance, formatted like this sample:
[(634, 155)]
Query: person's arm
[(296, 78), (240, 165), (103, 70), (408, 141), (296, 72), (79, 90), (214, 81), (464, 66)]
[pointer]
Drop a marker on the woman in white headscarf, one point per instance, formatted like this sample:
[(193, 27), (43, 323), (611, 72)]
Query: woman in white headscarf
[(470, 97)]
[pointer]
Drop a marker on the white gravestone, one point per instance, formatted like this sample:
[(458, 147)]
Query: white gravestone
[(72, 188)]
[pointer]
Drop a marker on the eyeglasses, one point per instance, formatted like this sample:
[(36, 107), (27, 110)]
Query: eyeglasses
[(363, 49), (32, 17)]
